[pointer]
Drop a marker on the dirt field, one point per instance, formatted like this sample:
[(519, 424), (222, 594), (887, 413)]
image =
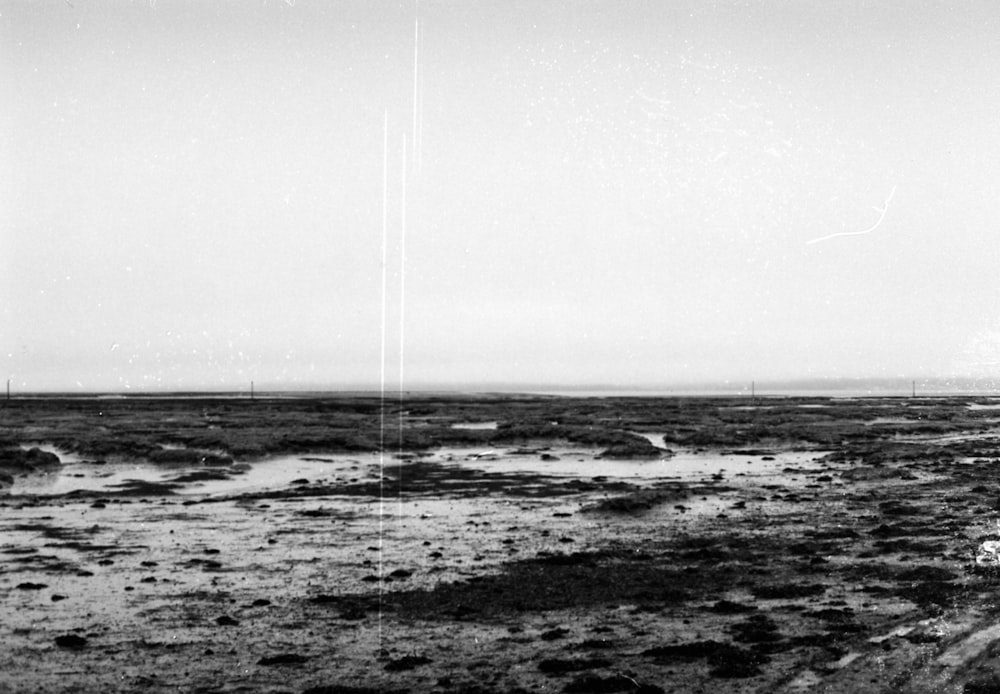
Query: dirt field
[(498, 544)]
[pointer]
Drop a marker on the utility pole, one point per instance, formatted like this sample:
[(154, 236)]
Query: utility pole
[(8, 390), (913, 385), (251, 391), (753, 390)]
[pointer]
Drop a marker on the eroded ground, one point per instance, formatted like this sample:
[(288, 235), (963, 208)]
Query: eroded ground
[(499, 544)]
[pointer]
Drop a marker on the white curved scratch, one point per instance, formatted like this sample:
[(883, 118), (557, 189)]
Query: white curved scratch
[(882, 210)]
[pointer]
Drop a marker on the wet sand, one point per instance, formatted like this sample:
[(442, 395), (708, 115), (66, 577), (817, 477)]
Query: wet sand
[(499, 544)]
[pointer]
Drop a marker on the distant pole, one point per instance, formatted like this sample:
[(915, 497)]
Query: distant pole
[(8, 389), (753, 390), (251, 390), (913, 384)]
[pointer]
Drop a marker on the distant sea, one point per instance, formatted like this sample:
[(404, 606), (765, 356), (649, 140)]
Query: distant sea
[(836, 388)]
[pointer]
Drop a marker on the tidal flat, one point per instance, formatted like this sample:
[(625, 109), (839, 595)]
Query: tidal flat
[(499, 543)]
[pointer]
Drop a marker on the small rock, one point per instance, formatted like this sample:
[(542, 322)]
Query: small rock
[(226, 621), (56, 597)]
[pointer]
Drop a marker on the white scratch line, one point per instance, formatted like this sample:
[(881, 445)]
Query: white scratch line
[(402, 326), (881, 210), (416, 83), (381, 419), (652, 99)]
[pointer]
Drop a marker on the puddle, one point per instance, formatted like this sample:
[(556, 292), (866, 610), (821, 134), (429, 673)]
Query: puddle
[(281, 472), (684, 466), (277, 473), (476, 425)]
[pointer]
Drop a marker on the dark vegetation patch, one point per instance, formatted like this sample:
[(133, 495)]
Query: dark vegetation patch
[(638, 501), (984, 684), (788, 591), (428, 478), (927, 594), (283, 659), (909, 546), (729, 607), (560, 581), (927, 573), (692, 650), (17, 461), (202, 427), (71, 641), (867, 473), (758, 628), (731, 662), (724, 659), (407, 662), (898, 530)]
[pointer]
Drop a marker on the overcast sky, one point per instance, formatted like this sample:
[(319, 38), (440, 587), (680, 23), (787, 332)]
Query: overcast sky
[(596, 192)]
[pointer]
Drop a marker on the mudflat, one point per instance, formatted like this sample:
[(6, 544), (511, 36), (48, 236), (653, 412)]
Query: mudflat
[(499, 544)]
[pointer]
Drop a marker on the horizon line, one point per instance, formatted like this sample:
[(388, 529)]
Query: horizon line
[(951, 384)]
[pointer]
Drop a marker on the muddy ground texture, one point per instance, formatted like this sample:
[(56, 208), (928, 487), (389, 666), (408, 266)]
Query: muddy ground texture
[(421, 556)]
